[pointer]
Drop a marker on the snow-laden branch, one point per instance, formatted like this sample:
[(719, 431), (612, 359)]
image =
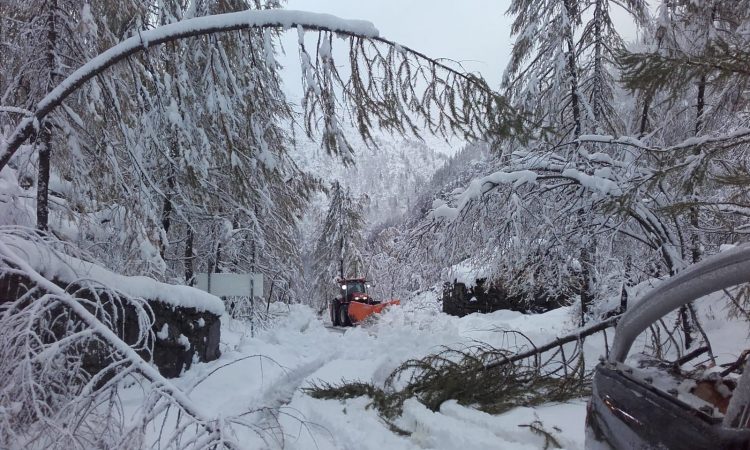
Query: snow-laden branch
[(574, 336), (187, 28), (550, 166), (478, 187), (110, 337), (741, 134), (608, 139), (15, 110)]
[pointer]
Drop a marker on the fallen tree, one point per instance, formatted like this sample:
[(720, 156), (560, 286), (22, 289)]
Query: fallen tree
[(492, 379)]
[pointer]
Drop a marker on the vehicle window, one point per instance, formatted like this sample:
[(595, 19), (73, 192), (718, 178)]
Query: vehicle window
[(355, 287)]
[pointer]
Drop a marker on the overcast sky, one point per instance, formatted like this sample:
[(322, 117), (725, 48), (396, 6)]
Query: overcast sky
[(474, 32)]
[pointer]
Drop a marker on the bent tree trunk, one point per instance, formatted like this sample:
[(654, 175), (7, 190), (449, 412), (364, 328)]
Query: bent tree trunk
[(198, 26), (469, 106)]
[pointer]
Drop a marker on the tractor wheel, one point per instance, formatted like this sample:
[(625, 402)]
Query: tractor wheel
[(332, 308), (344, 315)]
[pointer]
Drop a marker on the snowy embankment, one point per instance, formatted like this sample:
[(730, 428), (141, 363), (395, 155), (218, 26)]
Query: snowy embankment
[(271, 368)]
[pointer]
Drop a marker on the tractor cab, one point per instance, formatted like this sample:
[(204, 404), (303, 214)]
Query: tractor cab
[(355, 289)]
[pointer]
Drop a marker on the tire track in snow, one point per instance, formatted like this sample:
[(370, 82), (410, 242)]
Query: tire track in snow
[(279, 394)]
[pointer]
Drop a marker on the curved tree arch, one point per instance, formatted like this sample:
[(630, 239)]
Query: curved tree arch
[(493, 118)]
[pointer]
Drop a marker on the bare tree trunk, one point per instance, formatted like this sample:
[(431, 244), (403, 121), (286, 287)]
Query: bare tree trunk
[(688, 325), (341, 257), (253, 255), (42, 183), (700, 105), (337, 186), (166, 212), (189, 258), (598, 93), (45, 138), (573, 74), (217, 259), (644, 117), (174, 153), (695, 243), (625, 284), (586, 281)]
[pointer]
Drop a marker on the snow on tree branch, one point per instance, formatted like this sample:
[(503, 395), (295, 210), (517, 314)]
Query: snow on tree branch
[(187, 28), (386, 88), (15, 110)]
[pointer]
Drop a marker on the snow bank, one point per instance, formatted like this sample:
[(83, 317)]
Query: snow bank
[(270, 369), (414, 330), (69, 269)]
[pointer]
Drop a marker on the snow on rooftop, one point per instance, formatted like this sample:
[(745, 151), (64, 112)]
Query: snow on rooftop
[(66, 268)]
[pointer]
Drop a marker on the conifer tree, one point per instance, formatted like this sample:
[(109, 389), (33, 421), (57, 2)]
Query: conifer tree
[(338, 251)]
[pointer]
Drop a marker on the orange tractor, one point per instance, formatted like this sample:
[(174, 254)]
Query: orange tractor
[(354, 304)]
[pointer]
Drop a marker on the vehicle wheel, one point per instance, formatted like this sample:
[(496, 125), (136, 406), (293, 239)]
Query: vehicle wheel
[(344, 315), (332, 310)]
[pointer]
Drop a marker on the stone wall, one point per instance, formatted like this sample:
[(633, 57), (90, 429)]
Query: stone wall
[(190, 336)]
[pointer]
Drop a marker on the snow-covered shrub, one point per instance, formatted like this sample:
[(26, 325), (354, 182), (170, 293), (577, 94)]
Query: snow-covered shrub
[(66, 355), (60, 375)]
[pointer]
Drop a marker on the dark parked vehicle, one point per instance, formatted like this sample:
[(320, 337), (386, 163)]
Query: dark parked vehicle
[(657, 406)]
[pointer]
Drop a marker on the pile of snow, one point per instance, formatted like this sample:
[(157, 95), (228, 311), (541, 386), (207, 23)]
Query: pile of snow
[(68, 269)]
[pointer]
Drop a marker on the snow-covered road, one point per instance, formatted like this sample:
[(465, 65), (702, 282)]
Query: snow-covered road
[(267, 371), (260, 379)]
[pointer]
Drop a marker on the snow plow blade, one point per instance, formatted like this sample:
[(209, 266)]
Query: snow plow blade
[(360, 311)]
